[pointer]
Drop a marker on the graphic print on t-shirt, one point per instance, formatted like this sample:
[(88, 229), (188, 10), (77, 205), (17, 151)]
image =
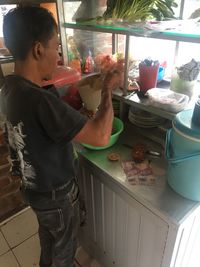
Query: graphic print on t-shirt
[(16, 140)]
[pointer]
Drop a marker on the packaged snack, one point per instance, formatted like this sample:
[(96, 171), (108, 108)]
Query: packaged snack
[(139, 173)]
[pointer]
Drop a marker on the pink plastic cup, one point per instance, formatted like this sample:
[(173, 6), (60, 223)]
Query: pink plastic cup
[(148, 76)]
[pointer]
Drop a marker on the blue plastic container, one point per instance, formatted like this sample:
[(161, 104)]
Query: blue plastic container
[(183, 154), (161, 73)]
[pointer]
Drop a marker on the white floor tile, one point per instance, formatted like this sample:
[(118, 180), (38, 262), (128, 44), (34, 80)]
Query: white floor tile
[(8, 260), (3, 245), (83, 258), (28, 252), (13, 216), (20, 228)]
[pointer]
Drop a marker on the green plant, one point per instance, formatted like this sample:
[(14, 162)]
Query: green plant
[(134, 10), (195, 14), (163, 9)]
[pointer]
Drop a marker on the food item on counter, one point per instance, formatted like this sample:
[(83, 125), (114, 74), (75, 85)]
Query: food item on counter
[(139, 152), (139, 173), (114, 157)]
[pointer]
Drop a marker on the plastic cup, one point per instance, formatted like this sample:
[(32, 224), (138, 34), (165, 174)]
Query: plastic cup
[(148, 76)]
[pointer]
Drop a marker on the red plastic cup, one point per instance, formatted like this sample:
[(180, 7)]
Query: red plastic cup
[(148, 76)]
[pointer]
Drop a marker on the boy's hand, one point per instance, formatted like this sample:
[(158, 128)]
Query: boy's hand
[(113, 78)]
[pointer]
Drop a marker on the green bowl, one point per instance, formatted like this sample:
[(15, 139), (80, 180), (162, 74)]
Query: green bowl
[(118, 127)]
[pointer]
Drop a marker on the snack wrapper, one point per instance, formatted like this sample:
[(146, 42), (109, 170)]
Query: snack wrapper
[(189, 71), (139, 173)]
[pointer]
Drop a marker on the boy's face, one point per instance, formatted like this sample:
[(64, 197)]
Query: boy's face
[(50, 57)]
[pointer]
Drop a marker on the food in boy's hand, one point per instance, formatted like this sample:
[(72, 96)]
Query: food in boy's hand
[(88, 113), (109, 63)]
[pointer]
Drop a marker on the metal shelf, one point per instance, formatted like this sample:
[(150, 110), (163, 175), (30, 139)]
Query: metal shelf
[(174, 35), (135, 101), (144, 104)]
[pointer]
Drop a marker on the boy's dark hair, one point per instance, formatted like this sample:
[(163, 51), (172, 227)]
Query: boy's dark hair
[(23, 26)]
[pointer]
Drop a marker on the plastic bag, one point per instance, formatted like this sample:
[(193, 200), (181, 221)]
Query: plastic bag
[(167, 100)]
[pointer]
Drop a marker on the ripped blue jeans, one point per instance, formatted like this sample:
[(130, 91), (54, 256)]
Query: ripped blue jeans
[(58, 217)]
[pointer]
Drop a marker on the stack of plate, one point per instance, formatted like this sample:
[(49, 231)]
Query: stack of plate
[(144, 119)]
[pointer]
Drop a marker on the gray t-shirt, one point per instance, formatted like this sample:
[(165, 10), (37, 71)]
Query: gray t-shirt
[(40, 129)]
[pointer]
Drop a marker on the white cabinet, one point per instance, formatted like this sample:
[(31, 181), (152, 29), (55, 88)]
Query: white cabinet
[(129, 227), (119, 231)]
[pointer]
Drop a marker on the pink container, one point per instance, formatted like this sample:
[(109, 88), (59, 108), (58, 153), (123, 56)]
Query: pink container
[(63, 76), (148, 76)]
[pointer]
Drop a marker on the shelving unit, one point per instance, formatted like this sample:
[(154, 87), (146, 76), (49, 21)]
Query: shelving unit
[(135, 225), (143, 104), (137, 30)]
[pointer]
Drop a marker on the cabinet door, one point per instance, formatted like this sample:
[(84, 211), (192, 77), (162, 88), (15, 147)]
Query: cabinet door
[(86, 187), (125, 232), (139, 237), (152, 240), (126, 225)]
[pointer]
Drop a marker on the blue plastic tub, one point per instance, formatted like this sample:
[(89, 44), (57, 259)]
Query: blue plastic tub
[(183, 154)]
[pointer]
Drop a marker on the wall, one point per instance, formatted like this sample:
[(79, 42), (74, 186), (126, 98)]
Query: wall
[(52, 8), (10, 196)]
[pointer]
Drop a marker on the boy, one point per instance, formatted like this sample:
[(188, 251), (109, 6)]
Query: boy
[(40, 129)]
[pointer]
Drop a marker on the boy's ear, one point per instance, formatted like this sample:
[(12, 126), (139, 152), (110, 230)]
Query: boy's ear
[(37, 50)]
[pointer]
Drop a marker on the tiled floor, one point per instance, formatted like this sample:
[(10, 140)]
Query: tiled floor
[(19, 243)]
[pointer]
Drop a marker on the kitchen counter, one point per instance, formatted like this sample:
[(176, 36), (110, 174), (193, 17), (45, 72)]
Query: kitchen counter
[(159, 197)]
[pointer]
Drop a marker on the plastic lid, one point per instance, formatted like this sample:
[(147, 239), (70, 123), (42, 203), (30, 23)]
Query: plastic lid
[(183, 122)]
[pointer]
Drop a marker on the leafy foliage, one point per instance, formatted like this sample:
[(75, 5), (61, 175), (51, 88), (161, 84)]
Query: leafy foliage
[(195, 14), (134, 10)]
